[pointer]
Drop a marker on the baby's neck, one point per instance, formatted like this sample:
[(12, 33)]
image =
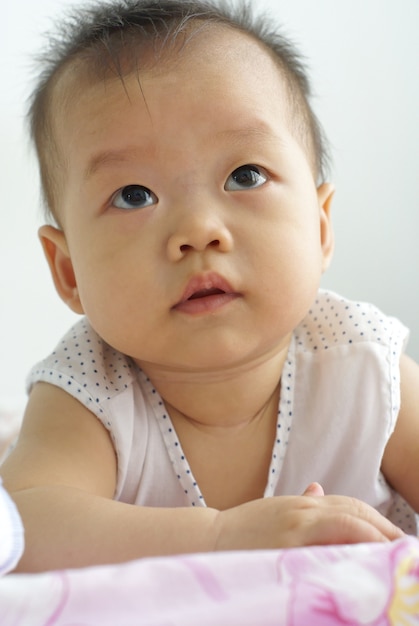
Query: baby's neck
[(225, 399)]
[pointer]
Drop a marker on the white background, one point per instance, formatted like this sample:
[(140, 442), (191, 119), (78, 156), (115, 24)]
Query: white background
[(363, 57)]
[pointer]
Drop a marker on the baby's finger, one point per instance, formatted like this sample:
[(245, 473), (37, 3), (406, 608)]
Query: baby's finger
[(347, 529), (358, 510), (314, 489), (381, 523)]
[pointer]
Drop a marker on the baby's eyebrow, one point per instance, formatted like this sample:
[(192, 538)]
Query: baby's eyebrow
[(109, 157), (249, 133), (237, 136)]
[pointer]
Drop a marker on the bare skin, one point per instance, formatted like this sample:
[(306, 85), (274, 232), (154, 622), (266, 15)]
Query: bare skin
[(217, 364), (62, 476)]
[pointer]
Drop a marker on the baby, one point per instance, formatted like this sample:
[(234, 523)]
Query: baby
[(210, 381)]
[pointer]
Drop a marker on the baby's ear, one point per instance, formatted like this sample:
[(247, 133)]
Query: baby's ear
[(325, 193), (57, 254)]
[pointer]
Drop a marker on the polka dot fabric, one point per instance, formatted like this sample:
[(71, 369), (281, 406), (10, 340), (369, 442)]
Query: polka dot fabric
[(87, 368), (283, 425), (153, 469), (180, 464), (334, 321)]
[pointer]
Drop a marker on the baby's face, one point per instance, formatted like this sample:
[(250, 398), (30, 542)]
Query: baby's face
[(196, 233)]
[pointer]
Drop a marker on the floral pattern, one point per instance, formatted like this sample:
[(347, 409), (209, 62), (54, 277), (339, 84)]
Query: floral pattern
[(366, 584), (373, 584)]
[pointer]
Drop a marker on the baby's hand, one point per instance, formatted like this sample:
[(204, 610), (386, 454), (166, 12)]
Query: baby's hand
[(310, 519)]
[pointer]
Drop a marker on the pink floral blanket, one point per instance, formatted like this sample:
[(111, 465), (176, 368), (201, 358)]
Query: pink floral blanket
[(368, 584)]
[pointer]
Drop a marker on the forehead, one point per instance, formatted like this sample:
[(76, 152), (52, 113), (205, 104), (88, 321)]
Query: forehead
[(198, 56), (224, 83)]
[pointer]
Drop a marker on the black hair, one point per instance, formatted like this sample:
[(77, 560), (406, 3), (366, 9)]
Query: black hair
[(107, 35)]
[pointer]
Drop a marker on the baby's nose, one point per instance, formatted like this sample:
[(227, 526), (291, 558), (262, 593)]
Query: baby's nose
[(198, 231)]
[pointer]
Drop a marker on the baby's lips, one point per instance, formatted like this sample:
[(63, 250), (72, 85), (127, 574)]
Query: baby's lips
[(205, 284)]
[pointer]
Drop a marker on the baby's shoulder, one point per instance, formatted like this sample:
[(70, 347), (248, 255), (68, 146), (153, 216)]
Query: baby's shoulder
[(83, 363), (334, 321)]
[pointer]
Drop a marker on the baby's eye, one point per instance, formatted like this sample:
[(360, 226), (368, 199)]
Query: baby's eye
[(133, 197), (246, 177)]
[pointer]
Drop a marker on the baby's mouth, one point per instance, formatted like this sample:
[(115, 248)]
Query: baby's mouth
[(205, 293)]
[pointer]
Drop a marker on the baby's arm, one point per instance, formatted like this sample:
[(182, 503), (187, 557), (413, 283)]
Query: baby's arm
[(401, 458), (62, 476)]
